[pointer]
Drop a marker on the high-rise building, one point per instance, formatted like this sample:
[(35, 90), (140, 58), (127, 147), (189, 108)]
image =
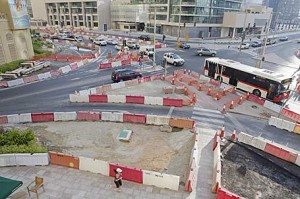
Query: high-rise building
[(196, 18), (15, 38), (94, 14), (285, 13)]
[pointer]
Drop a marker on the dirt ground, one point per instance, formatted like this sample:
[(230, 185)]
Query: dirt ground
[(153, 89), (245, 173), (149, 148)]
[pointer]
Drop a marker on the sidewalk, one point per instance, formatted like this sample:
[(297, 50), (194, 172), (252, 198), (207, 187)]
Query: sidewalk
[(67, 183)]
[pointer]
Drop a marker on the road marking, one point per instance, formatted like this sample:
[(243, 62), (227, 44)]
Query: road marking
[(105, 110), (170, 111), (77, 78)]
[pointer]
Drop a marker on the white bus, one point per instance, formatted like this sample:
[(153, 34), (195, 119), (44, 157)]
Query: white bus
[(261, 82)]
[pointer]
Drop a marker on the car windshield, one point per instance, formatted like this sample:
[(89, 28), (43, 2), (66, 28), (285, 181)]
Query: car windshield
[(176, 56)]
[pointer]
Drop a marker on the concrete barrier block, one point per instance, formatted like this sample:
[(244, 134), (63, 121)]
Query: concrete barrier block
[(157, 120), (112, 116), (79, 64), (65, 116), (273, 121), (116, 98), (154, 100), (118, 85), (34, 159), (161, 180), (44, 76), (245, 138), (93, 91), (79, 98), (15, 82), (204, 78), (7, 160)]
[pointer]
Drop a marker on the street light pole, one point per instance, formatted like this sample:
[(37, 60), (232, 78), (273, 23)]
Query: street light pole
[(179, 20), (154, 38), (259, 63)]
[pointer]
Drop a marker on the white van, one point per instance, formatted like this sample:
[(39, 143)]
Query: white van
[(147, 50)]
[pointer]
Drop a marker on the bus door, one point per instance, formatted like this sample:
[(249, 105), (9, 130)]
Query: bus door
[(211, 69), (234, 77), (272, 91)]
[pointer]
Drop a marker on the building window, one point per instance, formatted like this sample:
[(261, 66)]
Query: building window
[(80, 23), (95, 24), (68, 23), (80, 17)]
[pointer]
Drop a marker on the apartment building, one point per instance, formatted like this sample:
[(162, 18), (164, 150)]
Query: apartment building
[(93, 14), (286, 13), (15, 38), (197, 18)]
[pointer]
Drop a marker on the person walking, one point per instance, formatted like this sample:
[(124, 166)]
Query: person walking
[(118, 178)]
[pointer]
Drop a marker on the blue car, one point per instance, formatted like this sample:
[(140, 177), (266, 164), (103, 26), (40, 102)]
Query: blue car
[(256, 44)]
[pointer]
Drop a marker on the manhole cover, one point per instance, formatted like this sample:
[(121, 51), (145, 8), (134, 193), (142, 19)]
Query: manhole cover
[(253, 106)]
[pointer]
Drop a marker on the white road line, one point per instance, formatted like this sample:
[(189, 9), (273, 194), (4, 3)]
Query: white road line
[(105, 110), (77, 78), (170, 111)]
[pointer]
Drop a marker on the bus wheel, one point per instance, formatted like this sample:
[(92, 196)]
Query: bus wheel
[(256, 92), (220, 79)]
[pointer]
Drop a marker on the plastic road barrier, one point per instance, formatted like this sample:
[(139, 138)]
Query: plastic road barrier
[(134, 118), (135, 99), (30, 79), (98, 98), (43, 76), (15, 82), (118, 85), (129, 173), (157, 120), (64, 160), (93, 165), (216, 183), (3, 119), (181, 123), (65, 116), (88, 116), (154, 100), (161, 180), (172, 102), (78, 98), (42, 117), (112, 116), (65, 69), (116, 98)]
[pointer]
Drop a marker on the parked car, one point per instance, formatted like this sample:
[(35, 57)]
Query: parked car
[(55, 37), (284, 38), (205, 51), (111, 42), (184, 46), (120, 46), (100, 41), (144, 37), (256, 44), (270, 41), (147, 50), (132, 44), (244, 46), (74, 38), (124, 75), (174, 59)]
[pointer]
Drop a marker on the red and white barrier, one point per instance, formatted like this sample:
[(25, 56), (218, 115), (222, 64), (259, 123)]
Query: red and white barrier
[(272, 106), (98, 98), (134, 118), (105, 65), (116, 64), (135, 99), (118, 85), (65, 69), (30, 79), (93, 165), (225, 194), (15, 82), (291, 114)]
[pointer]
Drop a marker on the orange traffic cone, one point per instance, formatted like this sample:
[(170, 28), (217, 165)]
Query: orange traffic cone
[(189, 72), (248, 94), (199, 87), (241, 100), (222, 133), (217, 96), (224, 91), (224, 109), (233, 135), (209, 91), (231, 105)]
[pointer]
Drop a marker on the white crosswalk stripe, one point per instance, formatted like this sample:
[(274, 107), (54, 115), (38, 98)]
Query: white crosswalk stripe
[(208, 119)]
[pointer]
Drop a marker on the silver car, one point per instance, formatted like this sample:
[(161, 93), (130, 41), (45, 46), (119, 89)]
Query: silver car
[(205, 51)]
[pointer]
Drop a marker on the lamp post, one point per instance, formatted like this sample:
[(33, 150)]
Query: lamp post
[(179, 20), (154, 38), (261, 59)]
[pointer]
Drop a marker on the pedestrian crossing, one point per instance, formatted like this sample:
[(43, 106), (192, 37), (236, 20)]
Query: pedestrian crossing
[(207, 118)]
